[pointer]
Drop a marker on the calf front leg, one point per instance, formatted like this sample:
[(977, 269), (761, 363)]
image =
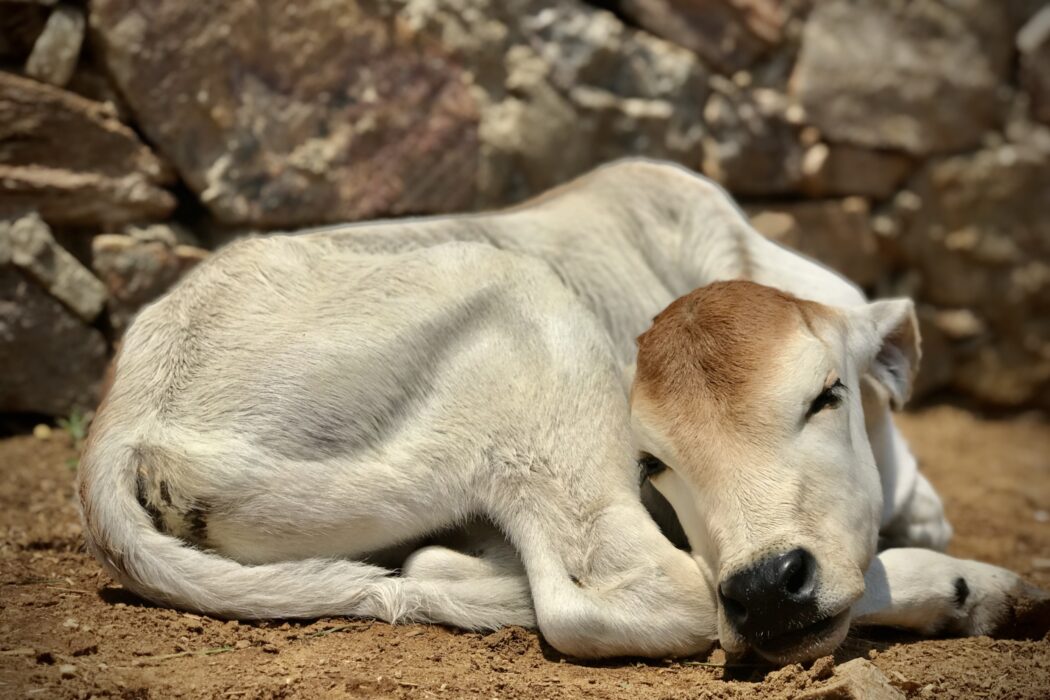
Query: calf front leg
[(933, 593)]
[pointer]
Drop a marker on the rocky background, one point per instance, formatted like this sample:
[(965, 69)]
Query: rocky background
[(903, 142)]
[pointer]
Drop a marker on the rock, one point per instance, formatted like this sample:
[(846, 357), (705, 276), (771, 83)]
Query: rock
[(838, 170), (339, 111), (319, 112), (1008, 371), (64, 197), (822, 668), (728, 34), (751, 147), (110, 176), (978, 235), (1033, 42), (67, 670), (28, 245), (57, 49), (137, 271), (171, 234), (959, 324), (937, 366), (36, 124), (52, 360), (837, 233), (858, 679), (921, 76)]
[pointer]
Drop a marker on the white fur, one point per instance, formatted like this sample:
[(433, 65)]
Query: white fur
[(304, 403)]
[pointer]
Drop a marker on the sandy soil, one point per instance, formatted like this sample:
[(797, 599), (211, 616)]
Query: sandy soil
[(66, 630)]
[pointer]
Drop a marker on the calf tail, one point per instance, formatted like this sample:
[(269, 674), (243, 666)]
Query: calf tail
[(168, 571)]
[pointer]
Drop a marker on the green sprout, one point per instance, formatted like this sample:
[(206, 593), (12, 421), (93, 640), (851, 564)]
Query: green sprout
[(76, 426)]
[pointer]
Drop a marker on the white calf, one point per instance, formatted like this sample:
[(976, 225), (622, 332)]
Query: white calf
[(302, 407)]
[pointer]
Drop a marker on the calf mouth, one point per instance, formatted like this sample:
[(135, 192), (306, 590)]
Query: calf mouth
[(808, 642)]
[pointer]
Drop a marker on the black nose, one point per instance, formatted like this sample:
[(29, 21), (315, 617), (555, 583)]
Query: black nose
[(774, 596)]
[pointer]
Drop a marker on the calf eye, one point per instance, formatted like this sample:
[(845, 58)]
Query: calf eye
[(829, 398), (650, 466)]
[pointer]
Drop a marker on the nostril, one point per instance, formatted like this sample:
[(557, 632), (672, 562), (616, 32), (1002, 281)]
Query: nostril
[(796, 572), (734, 609)]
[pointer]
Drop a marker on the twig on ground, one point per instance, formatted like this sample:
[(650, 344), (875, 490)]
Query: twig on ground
[(339, 628), (198, 652)]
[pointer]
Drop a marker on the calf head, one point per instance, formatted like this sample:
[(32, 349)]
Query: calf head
[(747, 408)]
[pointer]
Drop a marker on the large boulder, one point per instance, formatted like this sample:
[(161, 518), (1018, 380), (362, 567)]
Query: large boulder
[(977, 232), (52, 361), (70, 159), (921, 76), (281, 115)]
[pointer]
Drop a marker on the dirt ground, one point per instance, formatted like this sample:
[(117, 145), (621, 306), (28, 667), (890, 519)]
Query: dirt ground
[(66, 630)]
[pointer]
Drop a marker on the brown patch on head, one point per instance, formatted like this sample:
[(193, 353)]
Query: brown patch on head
[(711, 349)]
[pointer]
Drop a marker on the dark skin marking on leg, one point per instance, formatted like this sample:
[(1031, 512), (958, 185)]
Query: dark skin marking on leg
[(151, 510), (197, 522), (962, 592)]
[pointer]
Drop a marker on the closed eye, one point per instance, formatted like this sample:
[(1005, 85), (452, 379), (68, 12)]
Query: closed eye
[(649, 466), (831, 397)]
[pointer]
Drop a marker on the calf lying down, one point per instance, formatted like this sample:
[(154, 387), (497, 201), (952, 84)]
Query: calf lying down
[(444, 420)]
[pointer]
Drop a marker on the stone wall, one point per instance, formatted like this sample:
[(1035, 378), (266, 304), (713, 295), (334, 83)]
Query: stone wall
[(902, 142)]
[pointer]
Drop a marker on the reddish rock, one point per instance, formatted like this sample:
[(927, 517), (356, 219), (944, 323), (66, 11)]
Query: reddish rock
[(728, 34), (286, 114)]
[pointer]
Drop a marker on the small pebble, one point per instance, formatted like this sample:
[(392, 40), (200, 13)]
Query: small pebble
[(70, 623), (42, 431), (67, 670), (823, 668)]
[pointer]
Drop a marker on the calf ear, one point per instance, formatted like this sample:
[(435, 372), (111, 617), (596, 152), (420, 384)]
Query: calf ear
[(886, 338)]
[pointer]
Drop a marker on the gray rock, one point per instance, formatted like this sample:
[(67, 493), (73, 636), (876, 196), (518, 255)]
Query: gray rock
[(978, 235), (55, 53), (836, 232), (751, 147), (53, 362), (921, 76), (337, 111), (1033, 42), (136, 271), (27, 244), (728, 34)]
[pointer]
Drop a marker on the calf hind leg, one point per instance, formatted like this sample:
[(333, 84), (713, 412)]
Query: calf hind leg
[(489, 583)]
